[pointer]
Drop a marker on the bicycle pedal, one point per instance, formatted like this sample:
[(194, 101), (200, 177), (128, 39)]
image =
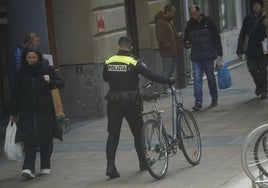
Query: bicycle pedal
[(180, 146), (150, 161)]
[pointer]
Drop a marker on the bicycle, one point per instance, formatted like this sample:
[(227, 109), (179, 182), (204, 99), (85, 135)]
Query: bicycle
[(157, 145), (254, 156)]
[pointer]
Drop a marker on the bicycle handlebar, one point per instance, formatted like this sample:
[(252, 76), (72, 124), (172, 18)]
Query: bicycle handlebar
[(149, 84)]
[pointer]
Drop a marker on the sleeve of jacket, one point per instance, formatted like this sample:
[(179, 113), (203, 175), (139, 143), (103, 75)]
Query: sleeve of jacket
[(161, 35), (105, 73), (15, 59), (186, 34), (55, 80), (15, 96), (241, 38), (215, 37), (147, 73)]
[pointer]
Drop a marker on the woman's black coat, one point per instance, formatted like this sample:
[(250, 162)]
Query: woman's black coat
[(33, 105), (253, 27)]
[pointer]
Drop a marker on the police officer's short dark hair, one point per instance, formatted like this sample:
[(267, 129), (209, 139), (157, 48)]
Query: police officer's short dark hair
[(168, 8), (125, 42)]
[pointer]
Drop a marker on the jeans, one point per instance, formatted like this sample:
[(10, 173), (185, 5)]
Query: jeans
[(198, 69), (169, 64)]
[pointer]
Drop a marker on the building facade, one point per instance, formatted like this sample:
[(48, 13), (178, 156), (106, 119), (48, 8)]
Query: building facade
[(81, 34)]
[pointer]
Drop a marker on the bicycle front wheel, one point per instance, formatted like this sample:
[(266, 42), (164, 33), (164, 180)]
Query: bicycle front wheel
[(190, 140), (254, 155), (154, 149)]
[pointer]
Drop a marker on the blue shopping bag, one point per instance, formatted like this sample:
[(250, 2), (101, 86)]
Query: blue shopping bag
[(224, 77)]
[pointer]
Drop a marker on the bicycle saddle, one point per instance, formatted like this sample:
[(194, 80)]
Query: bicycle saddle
[(153, 96)]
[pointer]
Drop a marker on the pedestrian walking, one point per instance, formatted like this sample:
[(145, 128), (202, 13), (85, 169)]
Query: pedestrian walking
[(168, 40), (202, 37), (121, 72), (32, 106), (30, 39), (250, 39)]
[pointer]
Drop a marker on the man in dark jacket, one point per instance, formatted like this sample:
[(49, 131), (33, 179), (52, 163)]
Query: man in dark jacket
[(254, 29), (202, 36), (167, 38), (121, 72)]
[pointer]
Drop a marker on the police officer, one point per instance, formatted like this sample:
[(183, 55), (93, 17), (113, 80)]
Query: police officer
[(121, 72)]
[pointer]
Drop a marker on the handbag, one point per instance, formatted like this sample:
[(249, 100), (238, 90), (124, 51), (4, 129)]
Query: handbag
[(224, 77), (13, 151), (57, 104), (245, 44)]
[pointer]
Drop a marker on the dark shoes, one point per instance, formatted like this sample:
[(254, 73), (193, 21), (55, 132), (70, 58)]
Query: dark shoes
[(112, 171), (264, 95), (214, 103), (143, 167), (142, 164), (197, 107), (257, 91)]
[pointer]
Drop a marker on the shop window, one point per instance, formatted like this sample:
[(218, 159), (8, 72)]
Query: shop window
[(227, 15)]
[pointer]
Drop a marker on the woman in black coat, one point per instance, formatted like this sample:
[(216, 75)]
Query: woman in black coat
[(254, 29), (33, 105)]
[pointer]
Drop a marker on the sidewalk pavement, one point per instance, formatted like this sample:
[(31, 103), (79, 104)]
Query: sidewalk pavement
[(79, 161)]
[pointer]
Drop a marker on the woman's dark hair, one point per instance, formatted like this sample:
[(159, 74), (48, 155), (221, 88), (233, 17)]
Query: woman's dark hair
[(256, 1), (30, 48)]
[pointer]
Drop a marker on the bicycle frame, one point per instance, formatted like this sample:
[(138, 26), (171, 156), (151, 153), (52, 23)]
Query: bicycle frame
[(176, 108), (158, 145), (156, 113)]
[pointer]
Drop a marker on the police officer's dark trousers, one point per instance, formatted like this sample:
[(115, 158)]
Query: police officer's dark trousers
[(116, 112)]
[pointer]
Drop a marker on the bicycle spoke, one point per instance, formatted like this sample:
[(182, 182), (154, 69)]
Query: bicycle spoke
[(190, 137), (254, 156), (155, 153)]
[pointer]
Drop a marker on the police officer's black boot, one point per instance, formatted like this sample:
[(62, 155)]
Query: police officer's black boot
[(111, 170), (142, 163)]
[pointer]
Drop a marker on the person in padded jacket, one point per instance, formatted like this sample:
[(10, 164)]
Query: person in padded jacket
[(32, 106), (202, 36), (254, 28)]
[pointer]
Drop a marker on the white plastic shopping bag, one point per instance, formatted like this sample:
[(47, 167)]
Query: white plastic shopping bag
[(13, 151)]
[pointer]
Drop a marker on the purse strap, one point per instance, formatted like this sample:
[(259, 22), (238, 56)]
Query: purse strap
[(255, 24)]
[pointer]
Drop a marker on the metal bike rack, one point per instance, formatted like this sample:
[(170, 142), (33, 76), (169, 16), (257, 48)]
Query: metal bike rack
[(256, 185)]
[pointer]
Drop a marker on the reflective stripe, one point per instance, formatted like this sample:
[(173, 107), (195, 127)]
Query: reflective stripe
[(121, 59)]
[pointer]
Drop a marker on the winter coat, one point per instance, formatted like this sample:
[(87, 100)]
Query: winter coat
[(15, 58), (32, 104), (254, 28), (205, 39), (166, 35)]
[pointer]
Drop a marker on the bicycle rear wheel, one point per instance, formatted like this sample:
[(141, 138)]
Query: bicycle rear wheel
[(190, 140), (260, 153), (254, 155), (154, 149)]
